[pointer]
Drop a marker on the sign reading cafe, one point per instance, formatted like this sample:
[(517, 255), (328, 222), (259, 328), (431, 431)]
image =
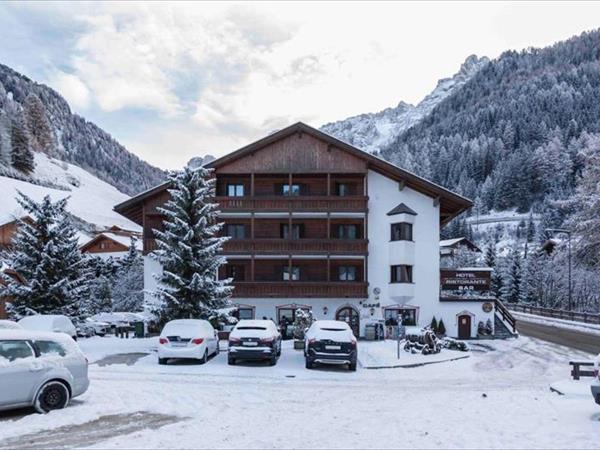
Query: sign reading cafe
[(464, 282)]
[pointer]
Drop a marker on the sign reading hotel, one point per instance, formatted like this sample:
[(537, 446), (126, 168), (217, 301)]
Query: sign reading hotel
[(468, 284)]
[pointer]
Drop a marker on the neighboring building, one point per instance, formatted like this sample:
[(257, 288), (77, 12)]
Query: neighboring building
[(113, 242), (3, 300), (318, 224), (8, 230), (451, 247)]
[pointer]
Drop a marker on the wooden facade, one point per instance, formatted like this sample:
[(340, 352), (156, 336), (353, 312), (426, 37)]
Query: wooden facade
[(297, 199), (103, 244)]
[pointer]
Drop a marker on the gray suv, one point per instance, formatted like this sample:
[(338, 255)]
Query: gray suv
[(43, 370)]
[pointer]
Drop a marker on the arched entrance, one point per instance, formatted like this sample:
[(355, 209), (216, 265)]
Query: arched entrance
[(349, 315)]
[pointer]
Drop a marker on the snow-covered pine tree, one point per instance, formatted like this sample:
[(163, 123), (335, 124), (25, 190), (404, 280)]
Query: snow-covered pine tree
[(490, 260), (128, 287), (38, 125), (20, 153), (189, 249), (46, 253), (511, 278)]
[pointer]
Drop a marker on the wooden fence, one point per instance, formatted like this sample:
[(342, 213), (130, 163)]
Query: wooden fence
[(556, 313)]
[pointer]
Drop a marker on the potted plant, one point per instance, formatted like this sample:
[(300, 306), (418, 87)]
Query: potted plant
[(303, 319)]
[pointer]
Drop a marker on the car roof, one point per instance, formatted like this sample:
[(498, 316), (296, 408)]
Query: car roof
[(43, 318), (187, 322), (33, 335)]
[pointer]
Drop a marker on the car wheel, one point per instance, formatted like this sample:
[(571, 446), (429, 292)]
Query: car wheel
[(352, 366), (204, 359), (231, 361), (273, 360), (53, 395), (309, 363), (162, 361)]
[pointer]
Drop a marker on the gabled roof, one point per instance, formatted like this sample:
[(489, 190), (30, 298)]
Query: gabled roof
[(401, 209), (119, 239), (451, 204), (453, 243)]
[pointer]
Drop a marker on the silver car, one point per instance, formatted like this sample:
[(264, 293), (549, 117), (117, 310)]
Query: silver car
[(43, 370)]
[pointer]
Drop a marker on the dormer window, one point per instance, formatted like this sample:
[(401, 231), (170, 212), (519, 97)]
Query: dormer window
[(401, 232)]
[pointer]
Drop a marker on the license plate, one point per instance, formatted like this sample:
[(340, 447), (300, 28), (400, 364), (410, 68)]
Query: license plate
[(333, 347), (250, 344), (179, 344)]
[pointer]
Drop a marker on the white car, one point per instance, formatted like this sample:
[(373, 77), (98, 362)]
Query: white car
[(43, 370), (100, 328), (187, 339), (9, 325), (254, 340), (596, 382), (330, 342), (49, 323)]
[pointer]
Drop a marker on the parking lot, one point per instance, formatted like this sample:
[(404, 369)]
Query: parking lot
[(499, 397)]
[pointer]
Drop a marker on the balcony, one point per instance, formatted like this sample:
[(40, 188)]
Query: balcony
[(355, 203), (300, 289), (296, 246)]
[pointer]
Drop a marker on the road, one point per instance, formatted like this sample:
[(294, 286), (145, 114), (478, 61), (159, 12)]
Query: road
[(588, 343)]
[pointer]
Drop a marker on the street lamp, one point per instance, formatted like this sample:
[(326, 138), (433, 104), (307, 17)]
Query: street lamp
[(568, 233)]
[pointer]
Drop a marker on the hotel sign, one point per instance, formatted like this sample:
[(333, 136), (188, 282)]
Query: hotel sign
[(465, 280)]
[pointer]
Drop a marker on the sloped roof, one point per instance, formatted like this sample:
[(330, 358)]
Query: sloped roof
[(451, 204), (123, 240), (401, 209)]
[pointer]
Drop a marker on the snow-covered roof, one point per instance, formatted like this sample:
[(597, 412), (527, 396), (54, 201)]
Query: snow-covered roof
[(450, 242)]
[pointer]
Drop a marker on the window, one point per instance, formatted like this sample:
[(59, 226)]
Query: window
[(297, 231), (343, 189), (49, 348), (103, 245), (235, 190), (347, 273), (291, 275), (401, 274), (237, 272), (246, 313), (401, 232), (14, 350), (408, 316), (347, 232), (290, 190), (235, 230)]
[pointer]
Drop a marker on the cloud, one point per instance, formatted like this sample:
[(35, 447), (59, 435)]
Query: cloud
[(72, 88)]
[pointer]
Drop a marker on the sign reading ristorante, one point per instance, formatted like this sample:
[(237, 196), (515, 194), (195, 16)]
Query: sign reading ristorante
[(465, 280)]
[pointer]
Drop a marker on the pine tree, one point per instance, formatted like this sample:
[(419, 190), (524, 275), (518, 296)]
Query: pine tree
[(490, 260), (128, 287), (20, 154), (434, 324), (46, 253), (189, 249), (511, 286), (38, 125)]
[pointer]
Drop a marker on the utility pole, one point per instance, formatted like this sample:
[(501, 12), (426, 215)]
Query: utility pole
[(568, 233)]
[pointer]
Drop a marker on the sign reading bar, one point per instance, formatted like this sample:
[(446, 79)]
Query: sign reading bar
[(465, 280)]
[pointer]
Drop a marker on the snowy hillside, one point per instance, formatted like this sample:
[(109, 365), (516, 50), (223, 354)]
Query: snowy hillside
[(91, 200), (374, 131)]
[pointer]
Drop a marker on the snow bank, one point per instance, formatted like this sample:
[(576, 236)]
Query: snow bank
[(582, 327)]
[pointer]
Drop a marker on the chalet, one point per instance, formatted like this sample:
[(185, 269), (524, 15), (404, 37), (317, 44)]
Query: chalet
[(450, 247), (113, 242), (316, 223), (7, 273), (8, 229)]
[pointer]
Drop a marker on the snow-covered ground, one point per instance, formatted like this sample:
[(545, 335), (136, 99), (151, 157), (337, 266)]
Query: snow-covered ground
[(497, 398), (91, 199)]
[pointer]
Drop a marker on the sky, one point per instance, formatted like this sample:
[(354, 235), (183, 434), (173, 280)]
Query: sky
[(171, 81)]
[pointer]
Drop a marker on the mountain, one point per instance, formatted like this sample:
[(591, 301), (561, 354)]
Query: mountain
[(374, 131), (38, 114), (91, 200)]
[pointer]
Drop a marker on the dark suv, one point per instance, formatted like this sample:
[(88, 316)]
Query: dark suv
[(330, 342)]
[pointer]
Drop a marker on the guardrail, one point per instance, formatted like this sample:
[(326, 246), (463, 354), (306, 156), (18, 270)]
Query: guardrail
[(506, 315), (556, 313)]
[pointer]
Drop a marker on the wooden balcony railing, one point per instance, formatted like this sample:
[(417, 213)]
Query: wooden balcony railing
[(300, 203), (299, 289), (297, 246)]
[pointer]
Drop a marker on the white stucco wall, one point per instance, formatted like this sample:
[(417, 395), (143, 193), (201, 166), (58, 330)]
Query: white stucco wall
[(152, 268)]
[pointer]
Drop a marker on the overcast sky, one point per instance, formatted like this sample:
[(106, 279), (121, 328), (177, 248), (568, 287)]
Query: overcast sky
[(172, 81)]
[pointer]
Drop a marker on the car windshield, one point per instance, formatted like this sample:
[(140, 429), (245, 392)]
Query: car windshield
[(252, 328)]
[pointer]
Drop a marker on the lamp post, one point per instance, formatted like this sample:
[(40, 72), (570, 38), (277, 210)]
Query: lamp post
[(568, 233)]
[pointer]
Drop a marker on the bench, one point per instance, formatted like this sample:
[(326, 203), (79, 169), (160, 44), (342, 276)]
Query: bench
[(577, 372)]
